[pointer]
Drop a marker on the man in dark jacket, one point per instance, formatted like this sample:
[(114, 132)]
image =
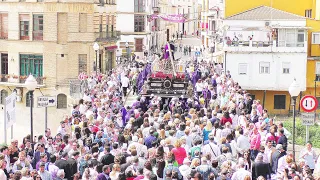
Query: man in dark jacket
[(275, 156), (73, 163), (36, 156), (260, 168), (249, 103), (63, 164), (282, 139), (108, 158)]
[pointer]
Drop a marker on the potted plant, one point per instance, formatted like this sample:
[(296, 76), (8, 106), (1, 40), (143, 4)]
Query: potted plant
[(23, 77)]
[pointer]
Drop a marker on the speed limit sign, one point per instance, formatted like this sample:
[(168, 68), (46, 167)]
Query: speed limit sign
[(309, 103)]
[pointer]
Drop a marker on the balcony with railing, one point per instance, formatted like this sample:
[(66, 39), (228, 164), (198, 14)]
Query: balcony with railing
[(15, 79), (107, 36), (265, 46)]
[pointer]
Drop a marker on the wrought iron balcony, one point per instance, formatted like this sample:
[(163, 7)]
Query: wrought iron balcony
[(107, 36), (40, 80), (9, 78)]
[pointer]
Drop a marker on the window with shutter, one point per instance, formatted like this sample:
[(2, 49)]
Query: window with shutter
[(107, 23), (290, 38), (31, 64), (3, 96), (286, 67), (279, 102), (264, 67), (3, 26), (315, 38), (24, 26), (112, 22), (281, 37), (83, 22), (139, 45), (243, 68), (38, 27), (318, 68), (82, 63)]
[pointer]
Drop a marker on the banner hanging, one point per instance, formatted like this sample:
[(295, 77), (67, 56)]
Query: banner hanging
[(177, 18)]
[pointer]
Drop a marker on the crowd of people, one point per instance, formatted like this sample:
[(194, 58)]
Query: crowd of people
[(219, 133)]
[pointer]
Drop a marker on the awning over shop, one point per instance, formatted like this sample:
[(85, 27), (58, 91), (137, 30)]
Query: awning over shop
[(110, 48)]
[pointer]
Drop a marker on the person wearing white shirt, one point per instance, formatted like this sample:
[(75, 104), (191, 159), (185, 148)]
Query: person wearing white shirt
[(211, 148), (241, 173), (5, 151), (199, 87), (125, 84), (3, 165), (243, 142)]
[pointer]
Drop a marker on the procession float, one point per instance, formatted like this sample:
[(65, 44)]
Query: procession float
[(165, 76)]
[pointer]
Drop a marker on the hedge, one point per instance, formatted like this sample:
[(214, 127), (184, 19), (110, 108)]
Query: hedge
[(314, 132)]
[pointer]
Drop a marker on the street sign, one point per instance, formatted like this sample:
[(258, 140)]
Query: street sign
[(307, 119), (309, 103), (10, 110), (46, 101)]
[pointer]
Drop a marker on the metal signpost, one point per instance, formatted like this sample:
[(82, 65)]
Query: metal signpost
[(46, 101), (9, 114), (308, 104)]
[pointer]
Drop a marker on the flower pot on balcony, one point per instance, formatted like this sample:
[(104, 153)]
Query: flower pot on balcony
[(13, 80)]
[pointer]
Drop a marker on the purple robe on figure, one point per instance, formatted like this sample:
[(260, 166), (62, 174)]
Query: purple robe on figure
[(166, 52), (124, 113), (207, 95), (128, 115), (136, 104)]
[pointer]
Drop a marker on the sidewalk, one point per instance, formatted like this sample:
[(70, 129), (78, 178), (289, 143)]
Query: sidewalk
[(299, 148)]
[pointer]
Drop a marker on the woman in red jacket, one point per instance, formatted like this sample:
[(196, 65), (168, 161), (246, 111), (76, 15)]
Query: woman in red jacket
[(226, 118)]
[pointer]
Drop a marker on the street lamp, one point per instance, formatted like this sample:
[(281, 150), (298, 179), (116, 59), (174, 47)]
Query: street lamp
[(31, 85), (294, 91), (96, 48)]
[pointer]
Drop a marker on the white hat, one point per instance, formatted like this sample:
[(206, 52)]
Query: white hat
[(135, 138), (186, 160), (185, 170)]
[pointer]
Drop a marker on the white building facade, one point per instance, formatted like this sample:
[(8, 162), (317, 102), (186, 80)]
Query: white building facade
[(266, 49), (189, 9), (215, 32), (134, 26)]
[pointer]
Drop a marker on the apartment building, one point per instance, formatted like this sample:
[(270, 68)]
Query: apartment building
[(53, 40), (266, 49), (135, 29)]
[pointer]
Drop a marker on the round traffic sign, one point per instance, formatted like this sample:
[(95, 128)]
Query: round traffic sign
[(309, 103)]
